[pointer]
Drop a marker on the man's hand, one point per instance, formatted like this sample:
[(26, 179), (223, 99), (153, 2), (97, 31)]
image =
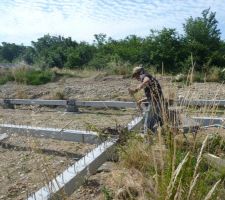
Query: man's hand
[(132, 91)]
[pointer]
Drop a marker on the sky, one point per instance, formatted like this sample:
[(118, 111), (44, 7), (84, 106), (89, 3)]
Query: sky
[(23, 21)]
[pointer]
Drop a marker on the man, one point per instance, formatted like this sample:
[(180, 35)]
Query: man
[(154, 97)]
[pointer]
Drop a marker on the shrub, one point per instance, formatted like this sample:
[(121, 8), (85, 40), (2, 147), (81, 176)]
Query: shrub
[(214, 75), (5, 76), (198, 77), (32, 76), (120, 68)]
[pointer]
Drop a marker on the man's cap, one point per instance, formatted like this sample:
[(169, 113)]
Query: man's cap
[(137, 70)]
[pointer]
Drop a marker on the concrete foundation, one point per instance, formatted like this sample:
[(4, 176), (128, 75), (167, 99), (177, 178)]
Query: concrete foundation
[(70, 180), (59, 134), (207, 121)]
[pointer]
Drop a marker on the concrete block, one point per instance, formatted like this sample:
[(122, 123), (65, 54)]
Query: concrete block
[(3, 136), (71, 106), (59, 134), (215, 162), (106, 104), (7, 104), (207, 121)]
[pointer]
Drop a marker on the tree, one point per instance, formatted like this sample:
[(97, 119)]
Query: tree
[(100, 39), (203, 38), (162, 47), (10, 52)]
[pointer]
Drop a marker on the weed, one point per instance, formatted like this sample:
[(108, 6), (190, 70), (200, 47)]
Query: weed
[(32, 76), (107, 193)]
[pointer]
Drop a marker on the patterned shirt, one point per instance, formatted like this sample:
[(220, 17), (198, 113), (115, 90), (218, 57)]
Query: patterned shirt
[(153, 90)]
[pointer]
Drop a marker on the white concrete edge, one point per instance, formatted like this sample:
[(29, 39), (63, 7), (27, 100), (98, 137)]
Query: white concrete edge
[(215, 161), (3, 136), (75, 175), (200, 102), (106, 104), (135, 123), (53, 133), (34, 102), (97, 104), (207, 121)]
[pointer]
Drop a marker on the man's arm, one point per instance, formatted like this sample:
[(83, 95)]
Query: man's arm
[(142, 85)]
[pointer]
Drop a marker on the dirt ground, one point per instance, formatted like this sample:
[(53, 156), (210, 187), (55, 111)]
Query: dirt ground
[(56, 118), (25, 171), (102, 87), (27, 163)]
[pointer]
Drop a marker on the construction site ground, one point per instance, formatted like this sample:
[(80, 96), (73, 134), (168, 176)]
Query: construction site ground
[(28, 163), (86, 119), (23, 172)]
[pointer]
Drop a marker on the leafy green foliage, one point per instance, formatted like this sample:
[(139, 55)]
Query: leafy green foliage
[(160, 49), (107, 193), (5, 77), (203, 40), (33, 76)]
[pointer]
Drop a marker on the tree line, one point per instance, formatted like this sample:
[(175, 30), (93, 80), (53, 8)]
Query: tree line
[(201, 40)]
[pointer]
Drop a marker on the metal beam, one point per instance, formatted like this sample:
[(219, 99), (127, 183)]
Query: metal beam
[(59, 134), (74, 176)]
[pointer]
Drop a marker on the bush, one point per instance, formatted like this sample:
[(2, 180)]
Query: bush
[(32, 76), (5, 76), (214, 75), (198, 77), (120, 68)]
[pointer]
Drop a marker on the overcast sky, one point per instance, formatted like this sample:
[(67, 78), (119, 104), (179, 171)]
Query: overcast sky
[(22, 21)]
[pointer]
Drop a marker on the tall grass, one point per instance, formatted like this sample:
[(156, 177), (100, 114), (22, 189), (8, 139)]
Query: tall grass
[(32, 76), (177, 170), (27, 75)]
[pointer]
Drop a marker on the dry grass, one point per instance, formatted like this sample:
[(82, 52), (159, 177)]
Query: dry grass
[(176, 170)]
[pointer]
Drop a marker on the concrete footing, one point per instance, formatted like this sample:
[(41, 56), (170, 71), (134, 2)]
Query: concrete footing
[(201, 102), (71, 106), (135, 123), (215, 162), (59, 134), (74, 176), (207, 121)]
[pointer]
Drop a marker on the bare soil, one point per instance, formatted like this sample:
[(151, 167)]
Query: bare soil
[(103, 87), (85, 120), (24, 171)]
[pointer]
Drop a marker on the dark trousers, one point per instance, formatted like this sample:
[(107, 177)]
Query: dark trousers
[(154, 116)]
